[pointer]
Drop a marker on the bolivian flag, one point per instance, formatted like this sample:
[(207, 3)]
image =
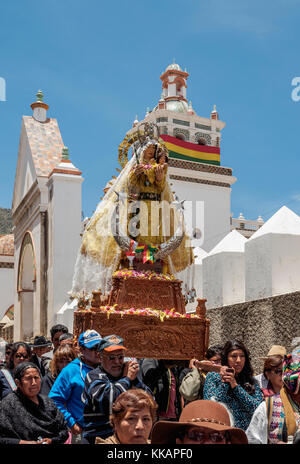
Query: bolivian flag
[(191, 151), (148, 252)]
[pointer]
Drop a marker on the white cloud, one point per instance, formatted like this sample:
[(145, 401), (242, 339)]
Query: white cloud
[(257, 18), (241, 16), (295, 197)]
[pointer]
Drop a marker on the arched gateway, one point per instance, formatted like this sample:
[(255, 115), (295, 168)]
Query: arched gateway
[(26, 285)]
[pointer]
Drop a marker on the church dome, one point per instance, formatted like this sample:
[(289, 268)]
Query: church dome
[(180, 106), (174, 66)]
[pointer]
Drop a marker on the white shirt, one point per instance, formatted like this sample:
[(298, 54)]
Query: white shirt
[(257, 432), (262, 380)]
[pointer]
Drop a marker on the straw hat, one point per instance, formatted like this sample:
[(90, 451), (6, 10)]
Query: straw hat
[(201, 413), (275, 350)]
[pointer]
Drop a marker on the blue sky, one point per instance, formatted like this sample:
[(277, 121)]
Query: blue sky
[(98, 64)]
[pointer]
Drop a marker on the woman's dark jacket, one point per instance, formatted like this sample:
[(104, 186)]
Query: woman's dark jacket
[(22, 419), (157, 377), (46, 384), (5, 388)]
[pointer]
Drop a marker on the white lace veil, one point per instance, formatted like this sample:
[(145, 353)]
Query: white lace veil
[(94, 267)]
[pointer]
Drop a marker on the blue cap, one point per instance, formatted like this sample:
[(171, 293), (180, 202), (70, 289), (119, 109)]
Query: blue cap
[(89, 338)]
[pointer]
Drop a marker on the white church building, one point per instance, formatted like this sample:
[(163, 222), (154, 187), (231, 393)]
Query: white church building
[(46, 212)]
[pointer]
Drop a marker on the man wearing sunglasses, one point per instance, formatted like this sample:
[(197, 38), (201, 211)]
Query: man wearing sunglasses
[(104, 384), (68, 387)]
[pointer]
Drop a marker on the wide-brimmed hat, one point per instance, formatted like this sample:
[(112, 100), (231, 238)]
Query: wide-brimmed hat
[(201, 413), (291, 371), (275, 350), (89, 339), (40, 341), (111, 343)]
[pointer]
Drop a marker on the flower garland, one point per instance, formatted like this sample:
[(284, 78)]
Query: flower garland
[(168, 314), (151, 275)]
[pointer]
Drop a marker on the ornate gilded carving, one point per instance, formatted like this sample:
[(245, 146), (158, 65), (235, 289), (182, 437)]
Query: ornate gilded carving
[(143, 293), (96, 300), (147, 336), (201, 308), (82, 303)]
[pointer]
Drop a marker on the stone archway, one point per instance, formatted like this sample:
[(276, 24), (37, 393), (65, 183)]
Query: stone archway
[(181, 134), (202, 139), (26, 286)]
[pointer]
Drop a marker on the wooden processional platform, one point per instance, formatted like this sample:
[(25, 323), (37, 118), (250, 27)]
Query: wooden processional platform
[(169, 334)]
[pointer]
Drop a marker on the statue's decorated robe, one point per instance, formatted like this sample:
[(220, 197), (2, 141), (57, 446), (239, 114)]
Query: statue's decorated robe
[(156, 216), (147, 209)]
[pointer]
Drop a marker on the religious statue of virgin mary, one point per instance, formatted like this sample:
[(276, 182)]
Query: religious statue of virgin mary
[(136, 215)]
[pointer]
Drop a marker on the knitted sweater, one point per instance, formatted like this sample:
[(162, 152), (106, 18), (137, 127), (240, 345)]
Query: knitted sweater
[(100, 391), (241, 404)]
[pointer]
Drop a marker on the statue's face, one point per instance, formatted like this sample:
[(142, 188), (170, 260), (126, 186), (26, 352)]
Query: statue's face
[(149, 153), (162, 159)]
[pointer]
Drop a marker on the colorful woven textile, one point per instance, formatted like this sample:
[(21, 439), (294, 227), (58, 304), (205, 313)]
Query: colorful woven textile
[(291, 371), (276, 420)]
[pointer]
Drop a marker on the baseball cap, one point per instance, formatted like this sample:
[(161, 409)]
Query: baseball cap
[(89, 338), (111, 343)]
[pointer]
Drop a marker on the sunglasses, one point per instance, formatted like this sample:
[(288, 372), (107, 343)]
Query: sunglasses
[(19, 356), (199, 437), (277, 371), (112, 357), (94, 348)]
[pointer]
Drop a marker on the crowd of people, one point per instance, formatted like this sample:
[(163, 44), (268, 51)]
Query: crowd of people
[(61, 392)]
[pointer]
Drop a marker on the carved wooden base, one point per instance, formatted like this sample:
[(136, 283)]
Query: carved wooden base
[(148, 336), (144, 293)]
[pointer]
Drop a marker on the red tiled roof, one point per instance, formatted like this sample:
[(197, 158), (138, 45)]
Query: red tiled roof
[(7, 245), (45, 143)]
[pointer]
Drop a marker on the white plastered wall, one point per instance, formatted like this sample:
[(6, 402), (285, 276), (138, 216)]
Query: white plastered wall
[(25, 173), (272, 263), (216, 203), (64, 235), (223, 279), (6, 289)]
